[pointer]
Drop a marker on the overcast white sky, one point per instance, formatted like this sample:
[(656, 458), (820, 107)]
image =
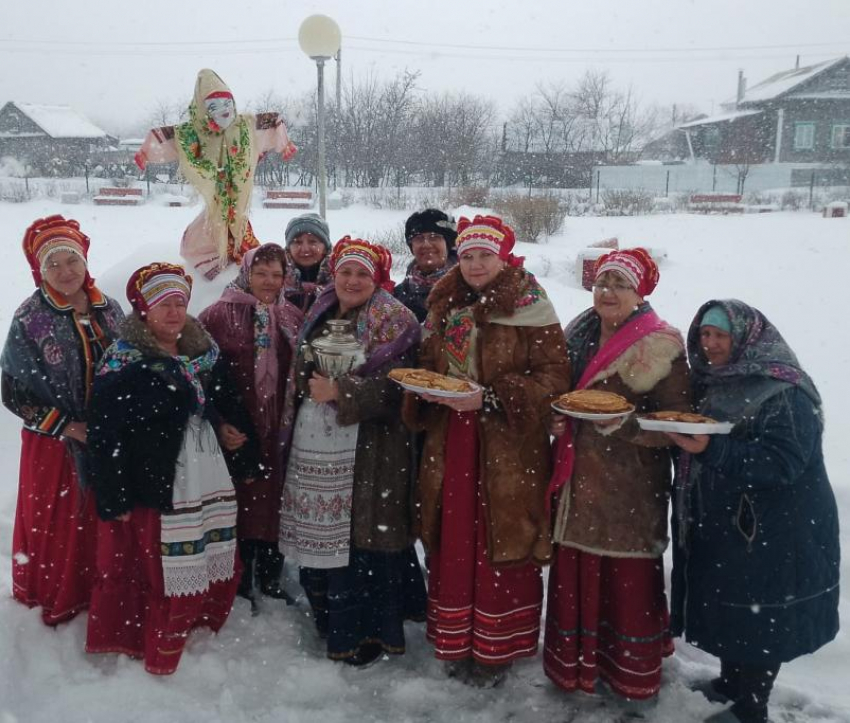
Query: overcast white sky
[(114, 60)]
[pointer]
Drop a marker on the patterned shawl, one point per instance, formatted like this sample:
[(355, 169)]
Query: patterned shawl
[(759, 354), (124, 353), (583, 334), (44, 352), (385, 327), (219, 164), (272, 325), (421, 283), (302, 291)]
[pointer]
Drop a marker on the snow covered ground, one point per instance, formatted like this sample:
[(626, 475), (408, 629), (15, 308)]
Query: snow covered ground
[(793, 266)]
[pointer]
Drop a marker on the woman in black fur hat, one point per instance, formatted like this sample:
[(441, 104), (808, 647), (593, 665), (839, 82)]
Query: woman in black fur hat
[(431, 235)]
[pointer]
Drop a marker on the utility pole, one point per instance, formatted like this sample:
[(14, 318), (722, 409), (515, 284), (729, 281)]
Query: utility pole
[(339, 79)]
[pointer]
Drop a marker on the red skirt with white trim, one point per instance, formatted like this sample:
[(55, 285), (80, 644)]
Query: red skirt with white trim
[(606, 618), (130, 612), (54, 539), (474, 609)]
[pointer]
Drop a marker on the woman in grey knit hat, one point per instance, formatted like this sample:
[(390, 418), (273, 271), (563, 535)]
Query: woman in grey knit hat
[(307, 247)]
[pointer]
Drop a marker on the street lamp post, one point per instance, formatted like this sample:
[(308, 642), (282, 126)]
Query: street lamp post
[(319, 38)]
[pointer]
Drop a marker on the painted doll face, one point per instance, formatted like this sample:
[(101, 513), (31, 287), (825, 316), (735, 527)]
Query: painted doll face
[(221, 110)]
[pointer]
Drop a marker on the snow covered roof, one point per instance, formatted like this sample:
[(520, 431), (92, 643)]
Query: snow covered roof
[(61, 121), (781, 83), (732, 115)]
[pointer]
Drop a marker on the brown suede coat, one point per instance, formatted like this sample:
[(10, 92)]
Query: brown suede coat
[(616, 502), (526, 367)]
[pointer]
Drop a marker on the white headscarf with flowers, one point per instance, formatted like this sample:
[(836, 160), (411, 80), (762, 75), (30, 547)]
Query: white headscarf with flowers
[(219, 163)]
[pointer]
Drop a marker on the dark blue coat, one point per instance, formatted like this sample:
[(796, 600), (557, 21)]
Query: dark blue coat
[(757, 579)]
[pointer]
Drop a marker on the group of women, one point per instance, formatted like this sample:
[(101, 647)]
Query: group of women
[(212, 448)]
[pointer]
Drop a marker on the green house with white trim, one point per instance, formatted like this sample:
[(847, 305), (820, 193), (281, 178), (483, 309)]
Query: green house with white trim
[(798, 116)]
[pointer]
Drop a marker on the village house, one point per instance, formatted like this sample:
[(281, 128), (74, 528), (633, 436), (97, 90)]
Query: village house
[(798, 116), (50, 140)]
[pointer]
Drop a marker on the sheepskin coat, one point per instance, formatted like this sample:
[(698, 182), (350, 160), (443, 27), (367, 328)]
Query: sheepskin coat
[(616, 501), (524, 368)]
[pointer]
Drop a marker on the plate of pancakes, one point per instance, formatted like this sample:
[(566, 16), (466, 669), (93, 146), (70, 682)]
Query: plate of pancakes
[(423, 381), (683, 423), (593, 405)]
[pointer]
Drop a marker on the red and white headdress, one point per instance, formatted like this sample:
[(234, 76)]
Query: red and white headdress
[(635, 265), (373, 257), (489, 233), (154, 283), (48, 235)]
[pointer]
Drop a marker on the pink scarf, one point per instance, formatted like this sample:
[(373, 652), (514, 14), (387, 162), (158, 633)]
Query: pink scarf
[(632, 332), (265, 363)]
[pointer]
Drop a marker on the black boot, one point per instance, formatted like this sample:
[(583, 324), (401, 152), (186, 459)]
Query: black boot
[(755, 684), (315, 584), (367, 654), (246, 582), (269, 569), (722, 689)]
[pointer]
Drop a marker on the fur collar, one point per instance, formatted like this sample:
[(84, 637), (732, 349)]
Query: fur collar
[(193, 342), (500, 298), (647, 361)]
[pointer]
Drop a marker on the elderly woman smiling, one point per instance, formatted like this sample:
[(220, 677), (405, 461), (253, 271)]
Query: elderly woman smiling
[(607, 613), (56, 339), (347, 513), (161, 404), (430, 235), (756, 560), (486, 457)]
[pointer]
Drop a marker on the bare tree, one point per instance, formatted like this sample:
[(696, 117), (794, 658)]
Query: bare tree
[(166, 113)]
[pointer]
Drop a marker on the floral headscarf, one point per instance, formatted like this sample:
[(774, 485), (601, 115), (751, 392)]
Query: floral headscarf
[(219, 163), (758, 352)]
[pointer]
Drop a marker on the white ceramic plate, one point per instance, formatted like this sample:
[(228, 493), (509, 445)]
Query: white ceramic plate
[(659, 425), (439, 392), (591, 416)]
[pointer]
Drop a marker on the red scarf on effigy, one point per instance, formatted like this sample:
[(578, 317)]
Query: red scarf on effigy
[(632, 332)]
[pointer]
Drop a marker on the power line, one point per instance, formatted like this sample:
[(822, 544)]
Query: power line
[(434, 55), (178, 44), (512, 48)]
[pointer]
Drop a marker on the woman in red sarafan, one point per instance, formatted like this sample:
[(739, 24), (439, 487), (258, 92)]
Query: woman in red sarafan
[(606, 613), (167, 433), (486, 457), (57, 336)]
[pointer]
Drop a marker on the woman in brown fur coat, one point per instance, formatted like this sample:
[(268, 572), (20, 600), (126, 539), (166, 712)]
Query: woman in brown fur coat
[(606, 612), (486, 458)]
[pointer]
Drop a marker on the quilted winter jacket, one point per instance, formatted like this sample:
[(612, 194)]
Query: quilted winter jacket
[(756, 580)]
